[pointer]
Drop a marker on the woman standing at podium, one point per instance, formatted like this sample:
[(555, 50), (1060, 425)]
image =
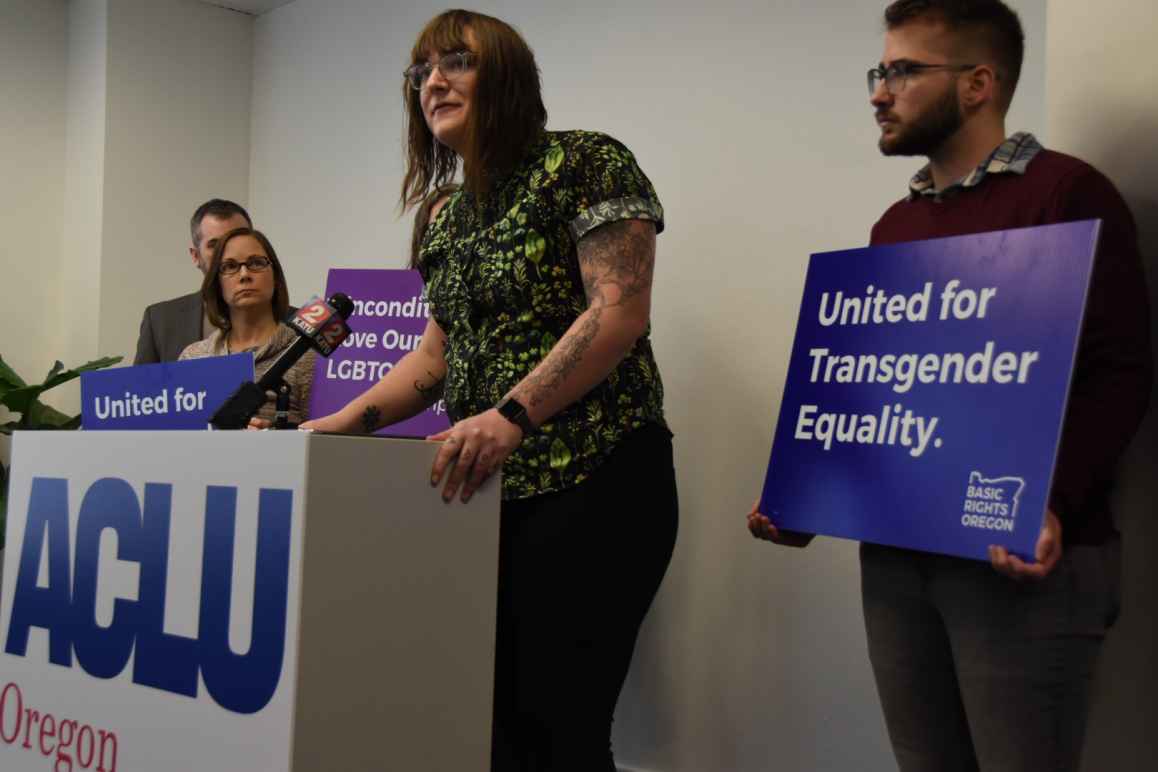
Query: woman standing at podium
[(539, 274)]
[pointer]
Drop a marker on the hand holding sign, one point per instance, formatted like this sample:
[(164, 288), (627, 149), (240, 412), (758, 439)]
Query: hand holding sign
[(762, 528), (1047, 553)]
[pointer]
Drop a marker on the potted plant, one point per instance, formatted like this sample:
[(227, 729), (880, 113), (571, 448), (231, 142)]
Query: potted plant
[(22, 399)]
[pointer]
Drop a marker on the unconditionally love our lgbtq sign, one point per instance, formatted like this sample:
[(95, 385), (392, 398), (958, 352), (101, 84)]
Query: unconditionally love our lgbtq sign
[(927, 387)]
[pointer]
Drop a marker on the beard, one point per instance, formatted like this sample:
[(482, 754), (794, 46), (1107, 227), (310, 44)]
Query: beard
[(928, 131)]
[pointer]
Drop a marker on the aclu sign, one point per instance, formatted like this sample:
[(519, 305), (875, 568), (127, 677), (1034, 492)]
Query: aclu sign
[(150, 582), (66, 606)]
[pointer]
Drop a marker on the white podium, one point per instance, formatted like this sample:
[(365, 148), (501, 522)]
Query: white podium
[(243, 601)]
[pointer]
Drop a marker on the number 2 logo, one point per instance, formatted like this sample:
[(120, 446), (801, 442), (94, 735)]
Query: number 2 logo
[(334, 333), (314, 313)]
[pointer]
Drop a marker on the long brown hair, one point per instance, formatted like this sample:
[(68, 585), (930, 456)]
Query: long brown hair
[(506, 115), (215, 308), (422, 219)]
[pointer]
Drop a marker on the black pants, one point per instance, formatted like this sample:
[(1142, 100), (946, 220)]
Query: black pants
[(978, 672), (578, 570)]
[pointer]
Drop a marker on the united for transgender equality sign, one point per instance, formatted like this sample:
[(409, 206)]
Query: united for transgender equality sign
[(927, 387)]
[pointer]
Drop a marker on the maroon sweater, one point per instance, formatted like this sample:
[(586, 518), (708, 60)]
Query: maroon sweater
[(1112, 374)]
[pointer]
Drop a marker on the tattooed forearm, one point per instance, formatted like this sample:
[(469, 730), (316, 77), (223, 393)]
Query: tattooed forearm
[(562, 360), (617, 261), (371, 419), (430, 393)]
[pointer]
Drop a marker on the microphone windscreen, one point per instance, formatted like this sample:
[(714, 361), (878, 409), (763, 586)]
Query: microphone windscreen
[(342, 304)]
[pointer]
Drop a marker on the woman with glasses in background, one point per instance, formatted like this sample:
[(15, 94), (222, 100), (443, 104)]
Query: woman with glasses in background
[(246, 297), (538, 274)]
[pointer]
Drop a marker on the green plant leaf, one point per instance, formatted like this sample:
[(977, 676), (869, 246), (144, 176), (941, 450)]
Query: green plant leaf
[(42, 416), (554, 159), (560, 454), (546, 343), (21, 399), (534, 247), (8, 378), (57, 377), (9, 427), (56, 368), (18, 400)]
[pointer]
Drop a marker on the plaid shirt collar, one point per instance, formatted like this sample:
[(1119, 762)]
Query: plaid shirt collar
[(1011, 157)]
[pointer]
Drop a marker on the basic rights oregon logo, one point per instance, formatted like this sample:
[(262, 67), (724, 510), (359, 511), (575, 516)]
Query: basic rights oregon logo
[(991, 503)]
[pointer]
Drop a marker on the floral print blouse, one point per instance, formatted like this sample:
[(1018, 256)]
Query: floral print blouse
[(503, 282)]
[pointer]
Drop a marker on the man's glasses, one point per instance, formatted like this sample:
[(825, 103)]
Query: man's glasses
[(254, 264), (896, 75), (451, 66)]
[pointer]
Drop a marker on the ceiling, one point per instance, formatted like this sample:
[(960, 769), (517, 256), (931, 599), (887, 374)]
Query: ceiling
[(252, 7)]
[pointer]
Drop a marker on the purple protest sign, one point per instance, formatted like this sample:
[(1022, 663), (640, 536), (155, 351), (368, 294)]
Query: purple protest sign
[(927, 387), (390, 313)]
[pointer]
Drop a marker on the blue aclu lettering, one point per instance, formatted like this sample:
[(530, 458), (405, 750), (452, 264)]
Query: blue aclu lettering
[(66, 606)]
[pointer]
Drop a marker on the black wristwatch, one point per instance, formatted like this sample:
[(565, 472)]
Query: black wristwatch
[(513, 410)]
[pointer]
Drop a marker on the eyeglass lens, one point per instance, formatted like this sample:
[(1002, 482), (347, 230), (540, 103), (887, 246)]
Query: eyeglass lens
[(451, 66), (253, 265)]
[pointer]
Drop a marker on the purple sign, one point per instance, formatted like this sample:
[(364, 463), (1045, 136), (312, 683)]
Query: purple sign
[(926, 390), (390, 313)]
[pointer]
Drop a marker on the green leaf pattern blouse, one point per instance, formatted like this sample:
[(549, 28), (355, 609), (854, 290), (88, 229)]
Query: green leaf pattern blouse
[(503, 282)]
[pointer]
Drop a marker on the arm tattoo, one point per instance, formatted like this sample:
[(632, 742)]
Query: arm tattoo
[(370, 419), (566, 356), (616, 262), (430, 394)]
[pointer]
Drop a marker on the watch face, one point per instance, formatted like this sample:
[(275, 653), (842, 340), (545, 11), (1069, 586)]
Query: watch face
[(514, 412), (510, 408)]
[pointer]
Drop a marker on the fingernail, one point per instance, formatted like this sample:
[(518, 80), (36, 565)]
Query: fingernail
[(465, 497), (433, 480)]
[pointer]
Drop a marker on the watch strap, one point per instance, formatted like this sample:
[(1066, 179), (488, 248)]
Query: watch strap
[(513, 410)]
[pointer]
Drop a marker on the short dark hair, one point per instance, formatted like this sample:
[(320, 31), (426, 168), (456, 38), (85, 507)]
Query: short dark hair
[(422, 219), (215, 308), (219, 208), (507, 114), (989, 22)]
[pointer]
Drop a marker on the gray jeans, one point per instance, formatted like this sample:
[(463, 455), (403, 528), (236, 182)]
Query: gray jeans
[(978, 672)]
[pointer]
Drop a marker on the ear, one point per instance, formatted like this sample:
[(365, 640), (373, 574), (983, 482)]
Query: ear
[(193, 254), (979, 87)]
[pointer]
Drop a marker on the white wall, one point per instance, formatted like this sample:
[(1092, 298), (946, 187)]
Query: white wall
[(120, 117), (1103, 106), (752, 120), (33, 77), (75, 315), (178, 106)]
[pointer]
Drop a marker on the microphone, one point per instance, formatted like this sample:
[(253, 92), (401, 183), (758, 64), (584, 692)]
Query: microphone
[(320, 325)]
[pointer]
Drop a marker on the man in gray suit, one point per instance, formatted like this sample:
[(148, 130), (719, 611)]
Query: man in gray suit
[(168, 327)]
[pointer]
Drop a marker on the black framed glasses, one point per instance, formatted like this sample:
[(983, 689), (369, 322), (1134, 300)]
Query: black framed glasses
[(450, 65), (895, 76), (254, 264)]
